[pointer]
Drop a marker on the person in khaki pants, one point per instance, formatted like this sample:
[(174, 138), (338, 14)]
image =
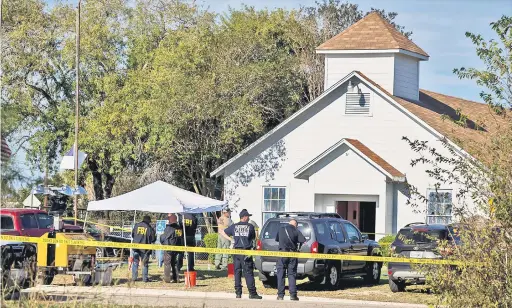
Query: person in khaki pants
[(224, 221)]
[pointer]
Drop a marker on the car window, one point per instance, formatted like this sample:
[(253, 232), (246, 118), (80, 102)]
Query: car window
[(336, 230), (305, 229), (7, 223), (28, 221), (270, 231), (420, 236), (45, 221), (352, 232), (321, 230), (454, 235)]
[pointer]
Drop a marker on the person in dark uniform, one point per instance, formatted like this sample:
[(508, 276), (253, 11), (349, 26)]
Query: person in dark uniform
[(172, 236), (142, 233), (290, 239), (243, 234), (190, 222)]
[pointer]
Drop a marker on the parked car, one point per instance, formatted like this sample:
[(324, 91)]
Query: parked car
[(324, 233), (416, 240), (29, 222)]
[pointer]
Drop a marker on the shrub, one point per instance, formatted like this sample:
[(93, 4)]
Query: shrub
[(210, 241), (385, 244)]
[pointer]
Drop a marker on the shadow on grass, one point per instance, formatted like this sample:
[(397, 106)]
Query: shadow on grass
[(201, 276), (357, 283)]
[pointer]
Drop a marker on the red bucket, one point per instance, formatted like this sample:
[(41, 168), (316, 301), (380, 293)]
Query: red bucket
[(231, 270), (190, 279)]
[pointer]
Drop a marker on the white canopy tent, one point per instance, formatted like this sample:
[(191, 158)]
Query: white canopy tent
[(159, 197)]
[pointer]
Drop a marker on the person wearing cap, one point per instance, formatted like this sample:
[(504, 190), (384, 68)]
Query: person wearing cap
[(290, 239), (243, 234), (142, 233), (172, 236), (224, 221)]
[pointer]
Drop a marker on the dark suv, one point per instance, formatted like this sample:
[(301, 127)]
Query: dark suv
[(324, 233), (416, 240)]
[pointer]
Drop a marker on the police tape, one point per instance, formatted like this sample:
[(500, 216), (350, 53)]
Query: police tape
[(263, 253)]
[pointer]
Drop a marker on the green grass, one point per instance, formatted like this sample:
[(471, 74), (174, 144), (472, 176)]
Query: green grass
[(217, 281)]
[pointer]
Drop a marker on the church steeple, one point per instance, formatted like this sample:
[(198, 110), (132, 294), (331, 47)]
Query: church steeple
[(375, 47)]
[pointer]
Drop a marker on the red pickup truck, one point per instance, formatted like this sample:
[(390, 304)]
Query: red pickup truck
[(29, 222)]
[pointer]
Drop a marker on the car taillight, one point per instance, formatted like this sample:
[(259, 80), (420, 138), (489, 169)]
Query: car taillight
[(258, 245), (314, 247)]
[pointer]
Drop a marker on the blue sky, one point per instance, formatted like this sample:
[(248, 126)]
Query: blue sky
[(438, 27)]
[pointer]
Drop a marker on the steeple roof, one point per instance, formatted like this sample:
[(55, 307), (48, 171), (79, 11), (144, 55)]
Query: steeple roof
[(371, 33)]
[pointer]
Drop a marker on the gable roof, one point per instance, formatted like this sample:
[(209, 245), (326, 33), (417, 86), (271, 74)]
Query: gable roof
[(462, 121), (371, 33), (427, 112), (362, 150)]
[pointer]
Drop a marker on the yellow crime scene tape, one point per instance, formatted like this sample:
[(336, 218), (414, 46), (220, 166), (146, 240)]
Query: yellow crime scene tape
[(301, 255)]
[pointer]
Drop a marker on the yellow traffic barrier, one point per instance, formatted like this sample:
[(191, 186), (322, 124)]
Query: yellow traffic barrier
[(300, 255)]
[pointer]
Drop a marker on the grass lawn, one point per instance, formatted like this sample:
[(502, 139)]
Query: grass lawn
[(217, 281)]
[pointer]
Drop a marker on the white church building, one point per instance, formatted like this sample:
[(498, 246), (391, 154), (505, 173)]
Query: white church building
[(344, 152)]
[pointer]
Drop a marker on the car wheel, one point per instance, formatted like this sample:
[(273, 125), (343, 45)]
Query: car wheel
[(396, 286), (333, 276), (373, 271), (270, 282)]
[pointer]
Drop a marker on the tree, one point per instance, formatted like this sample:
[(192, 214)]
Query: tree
[(169, 90), (317, 25), (484, 199), (38, 66)]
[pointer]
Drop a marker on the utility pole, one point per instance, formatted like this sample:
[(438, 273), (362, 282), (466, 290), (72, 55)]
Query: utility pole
[(77, 105)]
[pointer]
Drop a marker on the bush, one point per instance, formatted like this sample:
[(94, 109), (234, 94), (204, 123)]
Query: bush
[(385, 245), (210, 241)]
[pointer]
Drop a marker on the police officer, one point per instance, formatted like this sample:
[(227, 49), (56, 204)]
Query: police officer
[(290, 239), (190, 223), (142, 233), (172, 236), (243, 236)]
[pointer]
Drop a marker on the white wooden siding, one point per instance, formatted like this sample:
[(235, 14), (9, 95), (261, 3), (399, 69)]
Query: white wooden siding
[(311, 134), (406, 82), (378, 67)]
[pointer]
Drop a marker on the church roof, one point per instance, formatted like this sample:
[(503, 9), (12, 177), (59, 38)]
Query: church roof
[(371, 33)]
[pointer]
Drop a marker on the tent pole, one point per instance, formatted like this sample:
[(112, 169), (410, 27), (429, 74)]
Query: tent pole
[(134, 216), (185, 241), (85, 222)]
